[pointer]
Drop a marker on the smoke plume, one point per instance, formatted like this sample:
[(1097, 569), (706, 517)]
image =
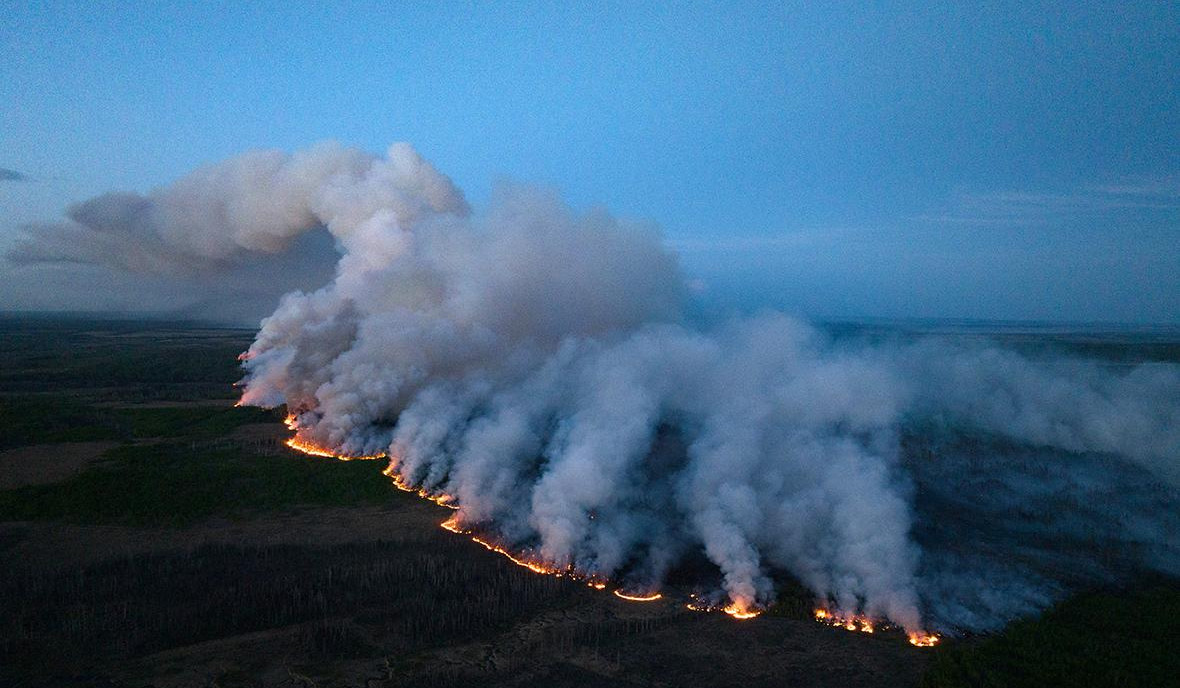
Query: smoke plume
[(537, 365)]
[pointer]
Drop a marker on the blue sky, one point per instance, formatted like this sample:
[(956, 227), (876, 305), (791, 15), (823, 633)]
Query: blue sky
[(1015, 161)]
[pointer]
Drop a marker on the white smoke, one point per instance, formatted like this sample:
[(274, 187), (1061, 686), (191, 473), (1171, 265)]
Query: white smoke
[(257, 202), (537, 365)]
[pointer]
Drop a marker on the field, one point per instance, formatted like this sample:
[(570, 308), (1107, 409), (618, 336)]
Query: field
[(152, 533)]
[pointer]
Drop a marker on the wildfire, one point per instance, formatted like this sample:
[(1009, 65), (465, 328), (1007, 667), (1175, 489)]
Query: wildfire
[(441, 499), (534, 565), (637, 598), (741, 612), (452, 524), (735, 610), (864, 624), (853, 622), (309, 448), (312, 449)]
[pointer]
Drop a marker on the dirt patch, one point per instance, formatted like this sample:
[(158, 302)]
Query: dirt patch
[(41, 464)]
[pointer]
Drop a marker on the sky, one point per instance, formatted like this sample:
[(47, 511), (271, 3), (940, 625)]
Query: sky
[(1015, 161)]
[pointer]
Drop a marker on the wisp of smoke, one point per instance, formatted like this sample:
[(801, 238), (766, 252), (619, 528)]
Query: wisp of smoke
[(536, 364)]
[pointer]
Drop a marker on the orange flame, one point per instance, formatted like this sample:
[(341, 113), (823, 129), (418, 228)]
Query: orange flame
[(638, 598), (534, 565), (313, 449), (864, 624), (741, 612), (441, 499), (452, 524), (853, 622), (735, 610)]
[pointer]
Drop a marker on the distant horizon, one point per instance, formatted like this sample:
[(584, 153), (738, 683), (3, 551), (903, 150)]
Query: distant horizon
[(1010, 161), (931, 324)]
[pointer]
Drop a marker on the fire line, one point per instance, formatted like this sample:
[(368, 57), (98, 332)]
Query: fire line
[(854, 622)]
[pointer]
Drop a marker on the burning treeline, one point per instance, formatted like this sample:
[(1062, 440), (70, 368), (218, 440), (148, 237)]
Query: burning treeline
[(537, 368), (852, 623)]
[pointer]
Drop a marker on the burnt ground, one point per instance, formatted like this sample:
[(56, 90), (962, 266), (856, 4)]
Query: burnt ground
[(153, 535)]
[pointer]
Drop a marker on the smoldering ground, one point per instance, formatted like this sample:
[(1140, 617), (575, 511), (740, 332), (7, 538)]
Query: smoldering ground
[(537, 365)]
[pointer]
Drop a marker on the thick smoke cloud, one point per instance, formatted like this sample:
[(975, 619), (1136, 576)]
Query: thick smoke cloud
[(257, 202), (234, 230), (536, 364)]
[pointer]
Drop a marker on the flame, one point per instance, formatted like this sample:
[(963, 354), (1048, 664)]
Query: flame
[(735, 610), (313, 449), (852, 622), (741, 611), (864, 624), (534, 565), (638, 598), (453, 525), (309, 448), (440, 498)]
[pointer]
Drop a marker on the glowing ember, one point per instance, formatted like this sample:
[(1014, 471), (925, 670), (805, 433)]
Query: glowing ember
[(637, 598)]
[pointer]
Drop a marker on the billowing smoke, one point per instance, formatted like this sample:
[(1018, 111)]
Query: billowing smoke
[(536, 364), (236, 230)]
